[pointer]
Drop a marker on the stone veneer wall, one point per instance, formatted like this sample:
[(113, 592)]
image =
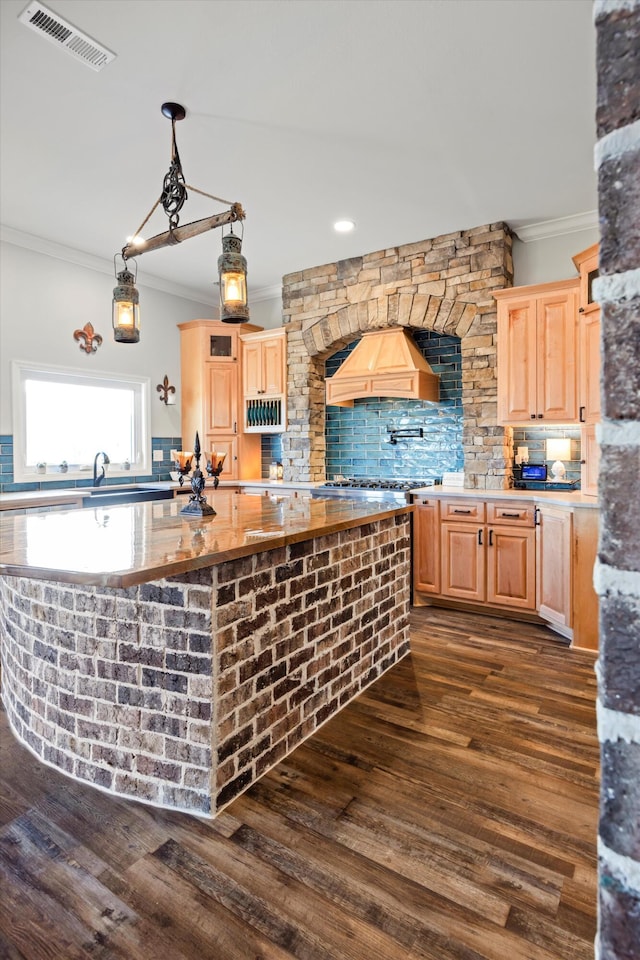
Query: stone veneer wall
[(618, 570), (183, 691), (444, 285)]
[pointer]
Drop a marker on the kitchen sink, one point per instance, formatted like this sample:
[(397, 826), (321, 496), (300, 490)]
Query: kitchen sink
[(111, 498)]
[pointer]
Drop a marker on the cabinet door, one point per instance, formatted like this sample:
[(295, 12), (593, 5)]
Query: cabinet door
[(556, 357), (228, 446), (426, 546), (516, 360), (222, 398), (463, 561), (511, 559), (251, 368), (590, 460), (273, 366), (589, 379), (555, 534)]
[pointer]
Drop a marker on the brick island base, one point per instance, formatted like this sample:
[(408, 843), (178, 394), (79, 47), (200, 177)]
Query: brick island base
[(181, 692)]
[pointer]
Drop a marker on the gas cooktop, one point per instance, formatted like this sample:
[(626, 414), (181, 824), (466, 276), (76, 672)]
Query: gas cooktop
[(371, 488), (366, 483)]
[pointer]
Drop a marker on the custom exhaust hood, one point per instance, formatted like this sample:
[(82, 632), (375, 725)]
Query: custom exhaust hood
[(384, 363)]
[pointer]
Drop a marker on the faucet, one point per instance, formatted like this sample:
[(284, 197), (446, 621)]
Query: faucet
[(97, 480)]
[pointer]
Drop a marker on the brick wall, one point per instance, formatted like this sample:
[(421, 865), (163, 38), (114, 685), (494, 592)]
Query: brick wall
[(444, 285), (618, 570), (183, 691)]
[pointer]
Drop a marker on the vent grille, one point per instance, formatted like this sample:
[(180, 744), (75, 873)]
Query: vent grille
[(49, 25)]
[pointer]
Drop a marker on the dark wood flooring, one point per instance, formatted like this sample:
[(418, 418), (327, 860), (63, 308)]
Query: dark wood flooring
[(450, 813)]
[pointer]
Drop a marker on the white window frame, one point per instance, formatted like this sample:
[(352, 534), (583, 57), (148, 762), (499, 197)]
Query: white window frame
[(140, 465)]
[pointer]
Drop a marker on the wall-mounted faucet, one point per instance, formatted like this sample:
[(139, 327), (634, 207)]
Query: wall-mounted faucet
[(97, 480), (402, 433)]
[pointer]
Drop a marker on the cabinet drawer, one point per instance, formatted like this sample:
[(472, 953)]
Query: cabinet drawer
[(462, 510), (505, 512)]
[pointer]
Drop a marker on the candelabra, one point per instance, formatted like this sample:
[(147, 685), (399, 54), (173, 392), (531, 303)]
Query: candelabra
[(197, 506)]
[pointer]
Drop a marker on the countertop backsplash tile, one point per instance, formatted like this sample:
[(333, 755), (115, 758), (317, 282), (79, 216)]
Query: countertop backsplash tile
[(357, 437)]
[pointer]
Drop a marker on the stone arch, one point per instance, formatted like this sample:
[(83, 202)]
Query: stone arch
[(442, 285)]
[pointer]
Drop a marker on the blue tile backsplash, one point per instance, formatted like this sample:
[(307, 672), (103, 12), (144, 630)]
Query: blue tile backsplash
[(357, 438), (160, 469)]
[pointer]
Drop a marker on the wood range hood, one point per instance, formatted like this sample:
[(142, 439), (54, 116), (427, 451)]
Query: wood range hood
[(384, 363)]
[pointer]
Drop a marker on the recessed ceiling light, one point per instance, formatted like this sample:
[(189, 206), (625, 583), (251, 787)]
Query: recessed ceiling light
[(344, 226)]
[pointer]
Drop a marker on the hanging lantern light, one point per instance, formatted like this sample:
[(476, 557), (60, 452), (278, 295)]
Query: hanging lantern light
[(232, 271), (126, 307)]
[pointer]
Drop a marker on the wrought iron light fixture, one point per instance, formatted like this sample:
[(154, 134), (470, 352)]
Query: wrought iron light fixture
[(232, 266)]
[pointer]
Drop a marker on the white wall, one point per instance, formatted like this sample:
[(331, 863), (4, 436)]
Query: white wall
[(266, 313), (44, 299), (542, 261)]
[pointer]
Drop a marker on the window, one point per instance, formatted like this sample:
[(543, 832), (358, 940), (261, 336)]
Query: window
[(62, 418)]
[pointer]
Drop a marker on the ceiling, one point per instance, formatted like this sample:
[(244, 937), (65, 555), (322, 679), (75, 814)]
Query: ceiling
[(412, 117)]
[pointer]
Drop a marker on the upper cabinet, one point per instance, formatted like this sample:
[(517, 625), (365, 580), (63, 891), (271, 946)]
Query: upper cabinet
[(589, 337), (537, 353), (589, 409), (211, 395), (264, 380)]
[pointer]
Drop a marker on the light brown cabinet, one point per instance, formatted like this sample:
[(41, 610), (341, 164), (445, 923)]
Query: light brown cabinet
[(589, 367), (555, 534), (537, 353), (211, 397), (264, 381), (567, 543), (479, 552), (510, 558), (426, 545)]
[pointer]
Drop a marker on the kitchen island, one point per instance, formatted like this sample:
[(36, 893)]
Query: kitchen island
[(174, 660)]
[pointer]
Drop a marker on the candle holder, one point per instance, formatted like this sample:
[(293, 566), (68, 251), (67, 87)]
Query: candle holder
[(215, 464), (197, 506), (182, 462)]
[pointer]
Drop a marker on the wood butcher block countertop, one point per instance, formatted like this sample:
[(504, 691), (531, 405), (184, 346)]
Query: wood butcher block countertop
[(130, 544)]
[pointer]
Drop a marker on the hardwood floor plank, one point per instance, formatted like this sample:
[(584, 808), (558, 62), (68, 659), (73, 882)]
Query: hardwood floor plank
[(449, 813)]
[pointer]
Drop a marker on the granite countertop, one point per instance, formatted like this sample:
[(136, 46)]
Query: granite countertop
[(558, 497), (129, 544)]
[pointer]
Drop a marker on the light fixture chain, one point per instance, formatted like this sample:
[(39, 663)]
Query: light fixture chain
[(142, 226), (228, 203)]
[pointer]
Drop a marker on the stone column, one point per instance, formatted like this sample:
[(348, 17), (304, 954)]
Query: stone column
[(617, 575)]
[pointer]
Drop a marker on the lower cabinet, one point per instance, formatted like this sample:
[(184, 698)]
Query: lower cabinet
[(509, 556), (491, 562), (475, 551), (555, 534)]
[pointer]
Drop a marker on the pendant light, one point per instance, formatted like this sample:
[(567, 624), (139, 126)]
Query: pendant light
[(126, 307), (232, 271)]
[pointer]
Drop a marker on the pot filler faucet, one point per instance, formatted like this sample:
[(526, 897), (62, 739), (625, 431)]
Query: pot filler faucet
[(97, 480)]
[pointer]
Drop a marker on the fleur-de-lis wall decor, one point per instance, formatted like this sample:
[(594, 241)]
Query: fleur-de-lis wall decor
[(88, 339)]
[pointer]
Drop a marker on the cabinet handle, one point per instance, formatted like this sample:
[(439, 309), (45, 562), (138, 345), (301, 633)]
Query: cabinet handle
[(480, 537), (583, 461), (581, 414), (461, 511), (536, 516), (540, 416), (533, 416), (512, 516), (490, 538), (235, 426), (581, 310)]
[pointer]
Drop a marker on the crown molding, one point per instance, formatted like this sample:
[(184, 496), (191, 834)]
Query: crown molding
[(555, 228), (266, 293), (90, 262)]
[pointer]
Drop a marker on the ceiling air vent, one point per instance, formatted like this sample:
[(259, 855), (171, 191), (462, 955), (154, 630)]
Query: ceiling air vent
[(63, 34)]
